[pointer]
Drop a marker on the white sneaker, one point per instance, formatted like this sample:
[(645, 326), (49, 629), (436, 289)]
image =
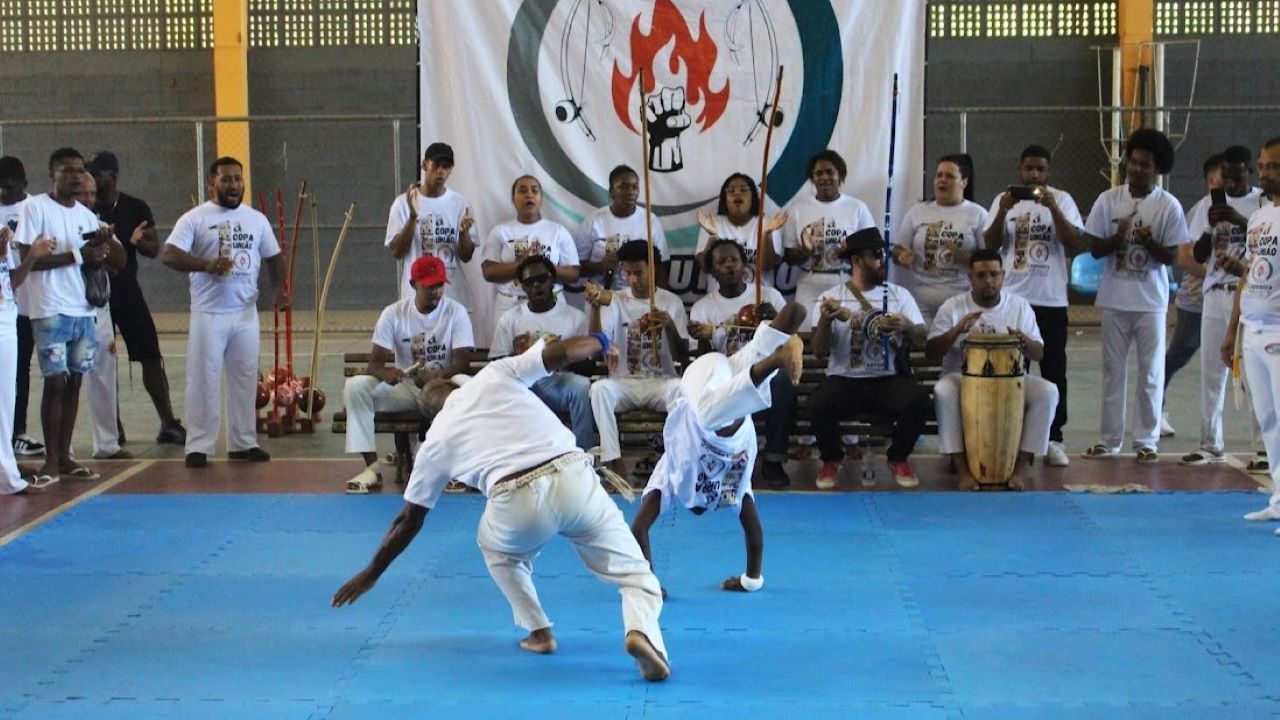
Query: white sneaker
[(1166, 430), (1056, 455), (1270, 512)]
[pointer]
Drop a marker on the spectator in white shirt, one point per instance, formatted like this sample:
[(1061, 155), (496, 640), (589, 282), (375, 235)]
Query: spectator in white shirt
[(62, 319), (416, 340)]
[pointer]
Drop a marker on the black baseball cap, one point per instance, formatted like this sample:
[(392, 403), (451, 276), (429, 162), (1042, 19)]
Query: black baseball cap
[(103, 160), (439, 152)]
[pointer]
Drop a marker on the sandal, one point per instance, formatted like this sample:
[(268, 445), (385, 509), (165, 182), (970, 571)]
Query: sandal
[(644, 468), (81, 472), (456, 486), (362, 483), (1147, 454), (1100, 451), (40, 482)]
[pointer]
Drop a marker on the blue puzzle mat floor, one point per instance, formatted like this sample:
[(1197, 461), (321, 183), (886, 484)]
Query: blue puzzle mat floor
[(876, 605)]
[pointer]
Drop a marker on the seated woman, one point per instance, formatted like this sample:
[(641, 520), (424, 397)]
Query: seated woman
[(737, 218)]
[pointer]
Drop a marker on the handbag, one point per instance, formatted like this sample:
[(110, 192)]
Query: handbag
[(97, 285)]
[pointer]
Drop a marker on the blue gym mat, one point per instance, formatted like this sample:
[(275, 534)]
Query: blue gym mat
[(905, 606)]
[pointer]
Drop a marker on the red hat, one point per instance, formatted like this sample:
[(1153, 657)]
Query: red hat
[(428, 270)]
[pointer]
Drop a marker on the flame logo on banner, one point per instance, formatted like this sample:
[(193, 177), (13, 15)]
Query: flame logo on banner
[(698, 55)]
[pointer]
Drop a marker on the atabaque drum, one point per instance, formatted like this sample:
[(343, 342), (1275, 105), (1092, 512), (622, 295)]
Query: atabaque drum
[(992, 397)]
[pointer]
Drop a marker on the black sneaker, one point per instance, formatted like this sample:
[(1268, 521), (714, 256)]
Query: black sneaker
[(254, 454), (172, 434), (775, 475), (197, 460), (27, 446)]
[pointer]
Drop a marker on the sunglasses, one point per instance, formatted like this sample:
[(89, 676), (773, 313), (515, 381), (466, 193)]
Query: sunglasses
[(535, 279)]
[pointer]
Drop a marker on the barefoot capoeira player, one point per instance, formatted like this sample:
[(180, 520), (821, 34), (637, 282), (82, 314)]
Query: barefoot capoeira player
[(711, 443), (416, 340), (494, 434), (987, 309)]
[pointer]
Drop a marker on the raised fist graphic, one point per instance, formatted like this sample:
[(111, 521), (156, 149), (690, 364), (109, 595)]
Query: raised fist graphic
[(667, 118)]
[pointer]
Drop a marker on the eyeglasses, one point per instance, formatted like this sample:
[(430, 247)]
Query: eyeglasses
[(535, 279)]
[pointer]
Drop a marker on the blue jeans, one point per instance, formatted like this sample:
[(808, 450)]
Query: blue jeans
[(566, 392), (65, 343)]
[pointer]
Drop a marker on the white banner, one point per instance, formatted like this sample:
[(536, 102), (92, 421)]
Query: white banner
[(549, 88)]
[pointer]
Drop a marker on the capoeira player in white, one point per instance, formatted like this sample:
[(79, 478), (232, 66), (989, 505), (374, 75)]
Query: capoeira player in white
[(1257, 308), (494, 434), (222, 245), (710, 441)]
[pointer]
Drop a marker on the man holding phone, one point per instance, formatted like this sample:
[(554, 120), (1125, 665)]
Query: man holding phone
[(62, 320), (1217, 227), (1037, 229)]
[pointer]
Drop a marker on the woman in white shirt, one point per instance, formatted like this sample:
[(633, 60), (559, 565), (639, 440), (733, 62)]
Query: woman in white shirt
[(738, 213), (606, 229), (934, 240), (529, 234), (817, 225)]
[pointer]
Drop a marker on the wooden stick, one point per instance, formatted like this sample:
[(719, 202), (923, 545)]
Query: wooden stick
[(648, 211), (324, 294), (288, 278), (764, 187), (315, 288)]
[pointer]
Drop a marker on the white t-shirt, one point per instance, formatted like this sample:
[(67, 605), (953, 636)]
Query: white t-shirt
[(1260, 300), (716, 309), (513, 240), (491, 427), (437, 234), (9, 217), (620, 321), (852, 354), (926, 229), (242, 234), (561, 321), (1131, 280), (429, 338), (843, 216), (8, 303), (744, 235), (1231, 241), (59, 291), (1012, 311), (602, 232), (1035, 260)]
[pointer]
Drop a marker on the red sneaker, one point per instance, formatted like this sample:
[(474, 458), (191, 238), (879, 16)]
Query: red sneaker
[(903, 474), (827, 475)]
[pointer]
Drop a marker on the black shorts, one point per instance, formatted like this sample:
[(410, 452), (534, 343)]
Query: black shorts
[(132, 317)]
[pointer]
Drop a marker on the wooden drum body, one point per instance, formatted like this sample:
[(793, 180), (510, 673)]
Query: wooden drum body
[(992, 398)]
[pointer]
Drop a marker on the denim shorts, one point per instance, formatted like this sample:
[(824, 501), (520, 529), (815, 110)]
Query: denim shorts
[(65, 343)]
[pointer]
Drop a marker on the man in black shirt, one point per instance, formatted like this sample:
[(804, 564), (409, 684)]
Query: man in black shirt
[(135, 225)]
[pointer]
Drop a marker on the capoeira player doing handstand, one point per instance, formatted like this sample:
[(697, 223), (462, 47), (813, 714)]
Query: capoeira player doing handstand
[(710, 439), (538, 484)]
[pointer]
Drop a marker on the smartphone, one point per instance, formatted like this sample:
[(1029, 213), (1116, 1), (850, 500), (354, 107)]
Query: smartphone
[(1219, 196), (89, 236), (1023, 192)]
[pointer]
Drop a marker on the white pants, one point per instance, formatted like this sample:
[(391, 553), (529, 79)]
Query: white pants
[(809, 289), (222, 345), (100, 386), (1214, 373), (610, 396), (10, 481), (1263, 369), (1122, 329), (1040, 404), (364, 395), (519, 520)]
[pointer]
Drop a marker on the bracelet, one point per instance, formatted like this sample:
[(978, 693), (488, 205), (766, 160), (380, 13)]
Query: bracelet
[(604, 341), (751, 584)]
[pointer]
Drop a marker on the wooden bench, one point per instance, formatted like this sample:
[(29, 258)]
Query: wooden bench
[(637, 429)]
